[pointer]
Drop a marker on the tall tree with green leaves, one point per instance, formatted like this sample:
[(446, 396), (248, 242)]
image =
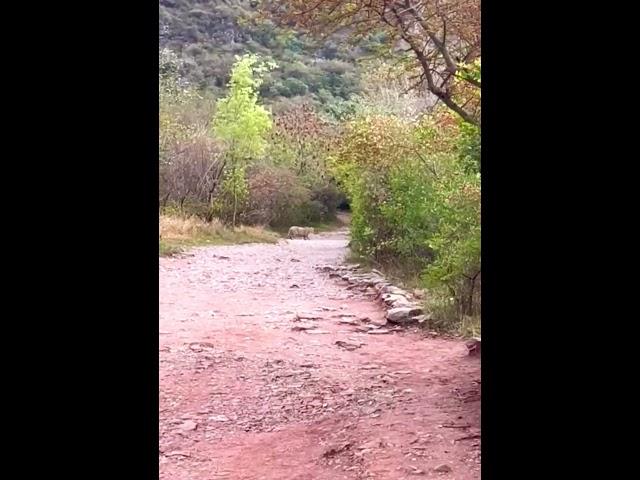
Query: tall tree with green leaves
[(241, 122)]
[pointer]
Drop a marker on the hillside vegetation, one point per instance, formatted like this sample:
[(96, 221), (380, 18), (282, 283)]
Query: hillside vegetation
[(208, 34)]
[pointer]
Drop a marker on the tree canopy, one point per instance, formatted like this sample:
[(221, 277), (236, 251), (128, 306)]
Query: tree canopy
[(439, 40)]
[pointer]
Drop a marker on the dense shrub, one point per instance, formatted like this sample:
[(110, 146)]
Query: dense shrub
[(275, 196), (414, 190)]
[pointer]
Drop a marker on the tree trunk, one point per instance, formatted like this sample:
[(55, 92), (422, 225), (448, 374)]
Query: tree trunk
[(235, 208), (470, 299), (472, 287), (235, 197)]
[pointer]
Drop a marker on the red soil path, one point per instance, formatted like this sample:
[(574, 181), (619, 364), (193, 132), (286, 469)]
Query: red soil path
[(245, 397)]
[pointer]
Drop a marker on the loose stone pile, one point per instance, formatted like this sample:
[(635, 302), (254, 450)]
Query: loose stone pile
[(399, 304)]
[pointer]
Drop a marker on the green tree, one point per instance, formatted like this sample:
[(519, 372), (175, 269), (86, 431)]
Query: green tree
[(240, 122)]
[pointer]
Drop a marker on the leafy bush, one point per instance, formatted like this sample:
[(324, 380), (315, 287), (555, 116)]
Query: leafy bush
[(276, 195), (415, 200), (233, 195), (295, 87)]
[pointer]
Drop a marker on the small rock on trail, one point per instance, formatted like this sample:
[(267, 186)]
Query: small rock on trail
[(188, 426), (219, 418), (444, 468), (380, 331), (403, 314)]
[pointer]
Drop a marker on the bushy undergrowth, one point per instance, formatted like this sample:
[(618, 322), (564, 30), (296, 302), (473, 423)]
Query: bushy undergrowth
[(414, 188)]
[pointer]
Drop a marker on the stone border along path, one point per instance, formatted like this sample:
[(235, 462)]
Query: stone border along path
[(400, 310)]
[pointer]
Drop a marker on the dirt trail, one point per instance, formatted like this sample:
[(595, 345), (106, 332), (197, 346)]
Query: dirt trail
[(243, 396)]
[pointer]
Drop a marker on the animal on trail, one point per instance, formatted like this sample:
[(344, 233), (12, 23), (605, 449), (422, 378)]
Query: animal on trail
[(302, 232)]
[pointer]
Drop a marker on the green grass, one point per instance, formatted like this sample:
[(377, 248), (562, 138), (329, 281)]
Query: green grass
[(168, 249)]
